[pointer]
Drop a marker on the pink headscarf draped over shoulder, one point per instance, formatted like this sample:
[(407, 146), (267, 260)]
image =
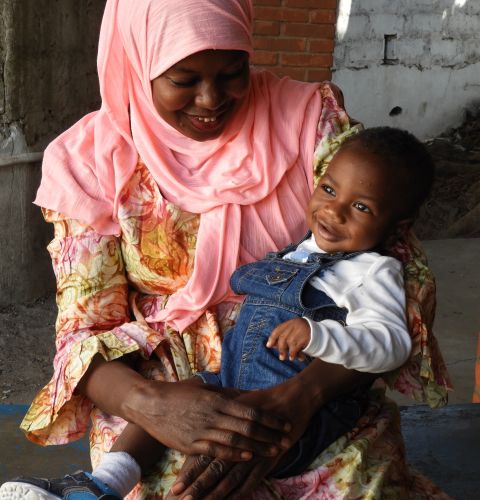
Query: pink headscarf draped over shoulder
[(250, 185)]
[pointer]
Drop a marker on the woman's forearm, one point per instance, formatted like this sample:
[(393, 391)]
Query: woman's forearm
[(114, 387), (320, 382), (187, 416)]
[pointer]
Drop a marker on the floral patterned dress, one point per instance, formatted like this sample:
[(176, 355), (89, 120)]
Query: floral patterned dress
[(476, 391), (107, 286)]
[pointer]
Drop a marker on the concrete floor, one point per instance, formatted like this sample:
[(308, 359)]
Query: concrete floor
[(444, 444), (457, 268), (21, 457)]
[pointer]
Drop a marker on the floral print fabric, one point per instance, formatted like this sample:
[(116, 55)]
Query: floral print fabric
[(476, 391), (107, 286)]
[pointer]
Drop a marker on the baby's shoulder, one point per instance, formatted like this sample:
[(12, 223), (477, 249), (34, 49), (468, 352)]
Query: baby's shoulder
[(365, 265), (369, 260)]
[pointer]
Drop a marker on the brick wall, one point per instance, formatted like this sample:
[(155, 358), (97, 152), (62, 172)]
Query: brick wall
[(295, 37)]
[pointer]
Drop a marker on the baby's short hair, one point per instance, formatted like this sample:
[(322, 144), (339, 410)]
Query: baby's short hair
[(401, 149)]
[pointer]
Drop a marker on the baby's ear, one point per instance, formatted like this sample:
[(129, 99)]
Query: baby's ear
[(398, 230), (404, 224)]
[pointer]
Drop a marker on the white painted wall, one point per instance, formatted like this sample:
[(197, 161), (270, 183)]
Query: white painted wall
[(437, 74)]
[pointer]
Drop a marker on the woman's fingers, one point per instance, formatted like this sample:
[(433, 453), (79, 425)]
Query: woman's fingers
[(218, 480), (208, 480), (232, 447), (193, 467), (199, 476), (256, 419), (231, 482), (241, 433), (241, 479), (251, 480)]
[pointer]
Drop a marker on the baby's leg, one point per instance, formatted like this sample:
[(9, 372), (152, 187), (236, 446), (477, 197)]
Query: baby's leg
[(133, 453), (144, 449)]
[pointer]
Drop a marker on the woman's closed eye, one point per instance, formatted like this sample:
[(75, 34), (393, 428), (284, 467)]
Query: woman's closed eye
[(190, 82), (362, 207), (236, 73), (182, 83)]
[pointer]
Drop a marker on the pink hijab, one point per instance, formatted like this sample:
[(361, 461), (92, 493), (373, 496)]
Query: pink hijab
[(250, 185)]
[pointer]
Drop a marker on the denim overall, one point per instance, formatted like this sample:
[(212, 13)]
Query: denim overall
[(278, 290)]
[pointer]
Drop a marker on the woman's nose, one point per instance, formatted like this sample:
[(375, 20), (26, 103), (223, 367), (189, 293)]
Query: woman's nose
[(210, 96)]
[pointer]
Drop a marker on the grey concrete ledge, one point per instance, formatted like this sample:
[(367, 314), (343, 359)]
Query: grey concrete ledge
[(8, 161), (444, 445)]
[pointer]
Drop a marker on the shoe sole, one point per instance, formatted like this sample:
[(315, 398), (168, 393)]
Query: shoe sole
[(24, 491)]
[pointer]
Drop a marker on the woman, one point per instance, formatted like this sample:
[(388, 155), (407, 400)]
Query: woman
[(195, 164)]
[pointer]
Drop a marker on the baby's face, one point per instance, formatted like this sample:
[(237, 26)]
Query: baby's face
[(356, 204)]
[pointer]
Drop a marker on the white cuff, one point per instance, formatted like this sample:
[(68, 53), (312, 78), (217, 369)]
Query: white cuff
[(313, 345)]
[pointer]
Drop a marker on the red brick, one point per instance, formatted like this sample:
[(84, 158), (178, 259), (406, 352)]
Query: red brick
[(266, 28), (295, 73), (312, 4), (267, 2), (280, 44), (274, 14), (309, 30), (321, 60), (323, 16), (265, 58), (321, 46), (318, 75)]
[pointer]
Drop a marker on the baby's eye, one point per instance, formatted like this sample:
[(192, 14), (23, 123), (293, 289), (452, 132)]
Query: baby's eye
[(328, 189), (362, 207)]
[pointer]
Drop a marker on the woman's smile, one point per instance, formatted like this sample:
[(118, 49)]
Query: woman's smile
[(208, 123)]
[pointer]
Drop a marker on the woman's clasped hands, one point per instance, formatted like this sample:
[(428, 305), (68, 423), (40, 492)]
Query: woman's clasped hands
[(212, 477), (198, 419)]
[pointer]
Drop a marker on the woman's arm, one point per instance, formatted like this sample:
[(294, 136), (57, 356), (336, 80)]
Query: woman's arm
[(96, 337), (297, 400), (187, 416)]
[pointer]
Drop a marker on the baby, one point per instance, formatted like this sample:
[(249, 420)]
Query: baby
[(334, 296)]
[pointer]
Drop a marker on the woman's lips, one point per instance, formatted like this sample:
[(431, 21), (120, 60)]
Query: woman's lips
[(207, 123)]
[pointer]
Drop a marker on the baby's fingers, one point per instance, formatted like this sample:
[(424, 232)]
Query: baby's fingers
[(274, 336), (295, 352), (282, 346)]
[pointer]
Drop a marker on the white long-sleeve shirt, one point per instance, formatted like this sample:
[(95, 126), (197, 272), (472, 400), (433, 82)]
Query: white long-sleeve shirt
[(370, 286)]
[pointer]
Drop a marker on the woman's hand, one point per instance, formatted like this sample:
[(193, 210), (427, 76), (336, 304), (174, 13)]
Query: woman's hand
[(188, 416), (203, 477), (195, 419), (214, 479), (297, 400)]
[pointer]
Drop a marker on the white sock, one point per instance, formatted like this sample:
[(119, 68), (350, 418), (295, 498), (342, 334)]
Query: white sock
[(119, 470)]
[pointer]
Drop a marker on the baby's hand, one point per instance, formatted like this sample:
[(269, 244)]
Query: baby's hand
[(290, 338)]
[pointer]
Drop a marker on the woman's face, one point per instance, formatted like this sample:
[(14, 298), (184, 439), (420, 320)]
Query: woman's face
[(200, 94)]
